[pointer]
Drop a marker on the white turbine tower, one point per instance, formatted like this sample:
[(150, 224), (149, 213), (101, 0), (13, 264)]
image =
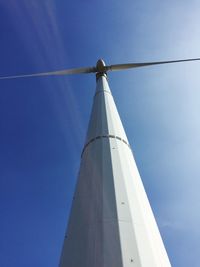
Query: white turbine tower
[(111, 222)]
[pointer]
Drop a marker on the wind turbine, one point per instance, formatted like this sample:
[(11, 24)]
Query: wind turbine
[(111, 222)]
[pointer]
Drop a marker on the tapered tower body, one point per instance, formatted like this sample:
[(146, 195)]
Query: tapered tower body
[(111, 222)]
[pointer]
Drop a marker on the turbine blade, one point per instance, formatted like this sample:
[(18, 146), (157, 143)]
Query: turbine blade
[(137, 65), (52, 73)]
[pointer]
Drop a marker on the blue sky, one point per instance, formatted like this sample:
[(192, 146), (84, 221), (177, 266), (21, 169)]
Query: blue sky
[(43, 121)]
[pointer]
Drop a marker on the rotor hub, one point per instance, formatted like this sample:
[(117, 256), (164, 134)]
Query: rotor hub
[(101, 70), (100, 66)]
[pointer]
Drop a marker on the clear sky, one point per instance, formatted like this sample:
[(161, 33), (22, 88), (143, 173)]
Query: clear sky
[(43, 121)]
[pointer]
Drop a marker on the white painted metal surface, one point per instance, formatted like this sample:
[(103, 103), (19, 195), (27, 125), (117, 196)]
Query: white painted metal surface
[(111, 222)]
